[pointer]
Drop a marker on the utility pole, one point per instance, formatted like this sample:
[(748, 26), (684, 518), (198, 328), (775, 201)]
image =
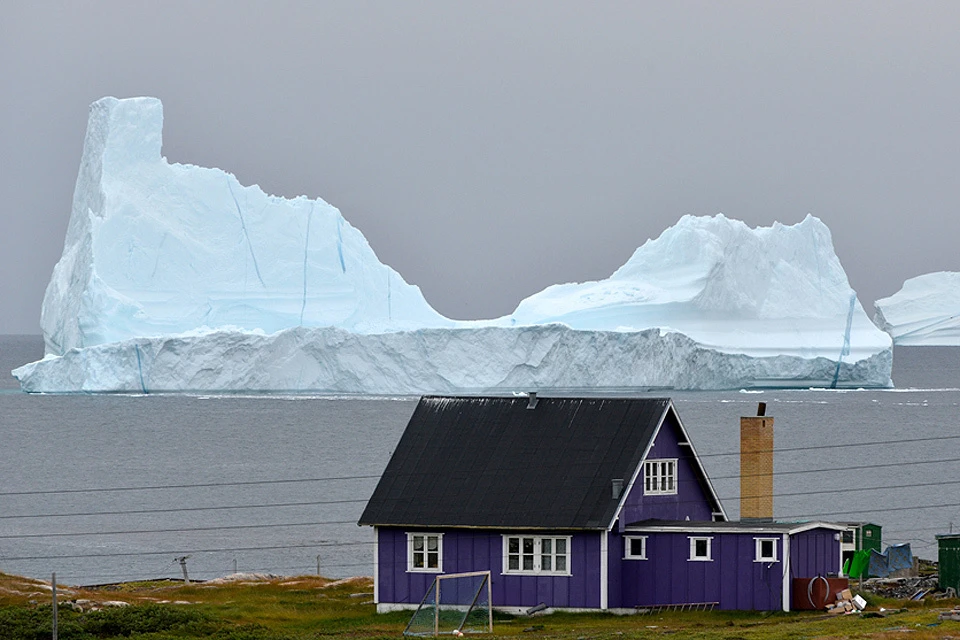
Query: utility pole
[(183, 565), (318, 565)]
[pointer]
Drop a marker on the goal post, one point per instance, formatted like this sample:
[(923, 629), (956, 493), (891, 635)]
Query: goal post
[(455, 604)]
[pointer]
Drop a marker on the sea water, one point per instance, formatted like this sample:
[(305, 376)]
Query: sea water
[(107, 488)]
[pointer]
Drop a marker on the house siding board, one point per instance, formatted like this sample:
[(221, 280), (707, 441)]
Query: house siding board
[(478, 550), (814, 553), (690, 500), (731, 579)]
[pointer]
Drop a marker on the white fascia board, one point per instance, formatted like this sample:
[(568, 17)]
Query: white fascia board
[(807, 526), (785, 587), (696, 457), (695, 530), (604, 569), (636, 472), (376, 565)]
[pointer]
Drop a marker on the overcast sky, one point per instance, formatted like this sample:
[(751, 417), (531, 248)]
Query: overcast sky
[(490, 149)]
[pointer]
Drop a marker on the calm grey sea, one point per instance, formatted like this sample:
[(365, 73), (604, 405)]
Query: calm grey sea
[(104, 488)]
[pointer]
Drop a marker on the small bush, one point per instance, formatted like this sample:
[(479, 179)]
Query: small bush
[(20, 623), (149, 618)]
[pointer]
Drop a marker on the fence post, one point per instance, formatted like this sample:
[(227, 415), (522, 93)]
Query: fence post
[(53, 584)]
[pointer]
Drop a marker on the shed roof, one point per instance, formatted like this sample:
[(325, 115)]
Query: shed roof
[(494, 462)]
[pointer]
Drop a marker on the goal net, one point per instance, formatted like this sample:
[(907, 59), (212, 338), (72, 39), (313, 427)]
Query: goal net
[(455, 604)]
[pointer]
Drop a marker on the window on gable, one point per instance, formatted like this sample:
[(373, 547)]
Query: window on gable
[(766, 550), (635, 547), (536, 554), (700, 549), (660, 477), (425, 552)]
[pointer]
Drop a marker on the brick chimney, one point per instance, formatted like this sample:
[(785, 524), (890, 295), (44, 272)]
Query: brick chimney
[(756, 467)]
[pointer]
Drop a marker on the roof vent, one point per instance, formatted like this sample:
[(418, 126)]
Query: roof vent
[(617, 487), (532, 400)]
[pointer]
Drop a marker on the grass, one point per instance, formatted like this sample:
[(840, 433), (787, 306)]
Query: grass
[(311, 608)]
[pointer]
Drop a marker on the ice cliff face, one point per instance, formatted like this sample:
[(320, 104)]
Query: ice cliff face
[(155, 248), (178, 278), (926, 311)]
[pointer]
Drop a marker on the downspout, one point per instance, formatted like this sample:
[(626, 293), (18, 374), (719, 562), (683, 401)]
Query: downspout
[(785, 596), (604, 568)]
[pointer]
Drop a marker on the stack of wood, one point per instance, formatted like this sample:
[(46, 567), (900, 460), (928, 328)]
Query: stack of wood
[(846, 603)]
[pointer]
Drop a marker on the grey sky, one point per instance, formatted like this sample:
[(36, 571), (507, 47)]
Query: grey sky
[(489, 149)]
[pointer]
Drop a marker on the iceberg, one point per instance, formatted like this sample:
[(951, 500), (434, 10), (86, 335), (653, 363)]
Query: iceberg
[(178, 278), (926, 311)]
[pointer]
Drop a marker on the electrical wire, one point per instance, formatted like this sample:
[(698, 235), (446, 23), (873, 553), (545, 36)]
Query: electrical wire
[(186, 486), (179, 509)]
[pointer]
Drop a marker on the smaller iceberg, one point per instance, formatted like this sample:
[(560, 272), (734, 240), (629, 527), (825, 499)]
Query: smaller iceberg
[(926, 311)]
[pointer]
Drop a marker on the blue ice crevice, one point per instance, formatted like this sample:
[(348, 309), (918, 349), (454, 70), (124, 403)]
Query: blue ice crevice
[(243, 226), (306, 248), (143, 386), (343, 267), (845, 351)]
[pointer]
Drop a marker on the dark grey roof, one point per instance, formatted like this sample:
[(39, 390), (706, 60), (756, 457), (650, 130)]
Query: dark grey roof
[(492, 462)]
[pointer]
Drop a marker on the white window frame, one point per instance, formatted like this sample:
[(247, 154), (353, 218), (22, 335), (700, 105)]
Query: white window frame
[(537, 555), (694, 557), (628, 548), (759, 557), (660, 477), (411, 552)]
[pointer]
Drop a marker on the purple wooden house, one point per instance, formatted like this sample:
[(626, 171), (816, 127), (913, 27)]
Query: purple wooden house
[(576, 504)]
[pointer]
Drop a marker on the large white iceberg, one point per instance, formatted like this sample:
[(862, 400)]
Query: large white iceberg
[(926, 311), (178, 278)]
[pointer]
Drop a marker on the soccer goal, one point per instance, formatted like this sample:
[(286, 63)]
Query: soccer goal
[(455, 604)]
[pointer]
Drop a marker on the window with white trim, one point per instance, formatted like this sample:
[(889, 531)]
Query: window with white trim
[(660, 477), (635, 548), (536, 555), (425, 552), (701, 548), (766, 550)]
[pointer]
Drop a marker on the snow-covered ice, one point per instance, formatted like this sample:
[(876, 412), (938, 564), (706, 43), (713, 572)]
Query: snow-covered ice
[(926, 311), (177, 278)]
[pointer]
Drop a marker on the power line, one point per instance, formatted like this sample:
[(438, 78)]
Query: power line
[(845, 468), (185, 486), (178, 509), (835, 446), (127, 554), (877, 510), (363, 500), (377, 476), (64, 534)]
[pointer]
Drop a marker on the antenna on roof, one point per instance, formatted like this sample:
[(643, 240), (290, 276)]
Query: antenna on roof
[(532, 400)]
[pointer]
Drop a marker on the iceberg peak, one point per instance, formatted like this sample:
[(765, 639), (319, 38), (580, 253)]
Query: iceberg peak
[(155, 248)]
